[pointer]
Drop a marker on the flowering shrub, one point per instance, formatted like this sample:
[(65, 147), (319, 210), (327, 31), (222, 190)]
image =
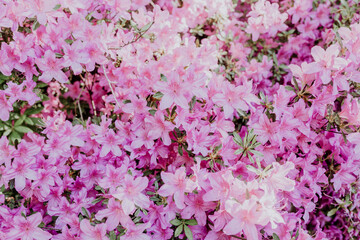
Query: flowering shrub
[(179, 119)]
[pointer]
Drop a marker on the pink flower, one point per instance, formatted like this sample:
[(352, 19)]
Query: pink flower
[(27, 228), (130, 193), (197, 206), (98, 232), (277, 179), (110, 143), (176, 185), (21, 170), (135, 232), (5, 107), (233, 98), (160, 127), (245, 218), (75, 55), (325, 62), (51, 68), (174, 90), (114, 214)]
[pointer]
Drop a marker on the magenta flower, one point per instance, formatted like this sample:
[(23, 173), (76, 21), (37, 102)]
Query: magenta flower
[(110, 143), (27, 228)]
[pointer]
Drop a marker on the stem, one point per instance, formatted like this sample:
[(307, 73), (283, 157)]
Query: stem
[(111, 88), (134, 39)]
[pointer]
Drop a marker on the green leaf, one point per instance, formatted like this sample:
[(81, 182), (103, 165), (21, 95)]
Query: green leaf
[(237, 139), (20, 120), (97, 200), (33, 110), (257, 153), (152, 112), (14, 136), (146, 27), (69, 41), (191, 222), (85, 212), (38, 121), (163, 78), (188, 233), (178, 230), (7, 132), (22, 129), (175, 222), (180, 150), (289, 88), (239, 151), (59, 55), (112, 235), (332, 212), (36, 25), (29, 121), (158, 95), (57, 7), (41, 85), (275, 236)]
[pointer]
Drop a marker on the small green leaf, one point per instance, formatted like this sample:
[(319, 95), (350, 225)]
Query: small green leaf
[(29, 121), (20, 120), (97, 200), (38, 121), (146, 27), (178, 230), (191, 222), (59, 55), (69, 41), (14, 136), (152, 112), (158, 95), (112, 235), (289, 88), (188, 233), (239, 151), (57, 7), (163, 78), (180, 150), (22, 129), (332, 212), (7, 132), (33, 110), (36, 25), (275, 236), (85, 212), (175, 222), (237, 139)]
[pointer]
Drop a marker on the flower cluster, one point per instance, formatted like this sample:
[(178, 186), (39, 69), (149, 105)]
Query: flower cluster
[(171, 119)]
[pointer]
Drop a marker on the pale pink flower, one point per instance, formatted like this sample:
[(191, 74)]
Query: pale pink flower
[(176, 184), (130, 193), (27, 228)]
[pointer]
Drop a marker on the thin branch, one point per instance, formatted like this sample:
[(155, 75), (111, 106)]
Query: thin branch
[(111, 88), (77, 101), (134, 39)]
